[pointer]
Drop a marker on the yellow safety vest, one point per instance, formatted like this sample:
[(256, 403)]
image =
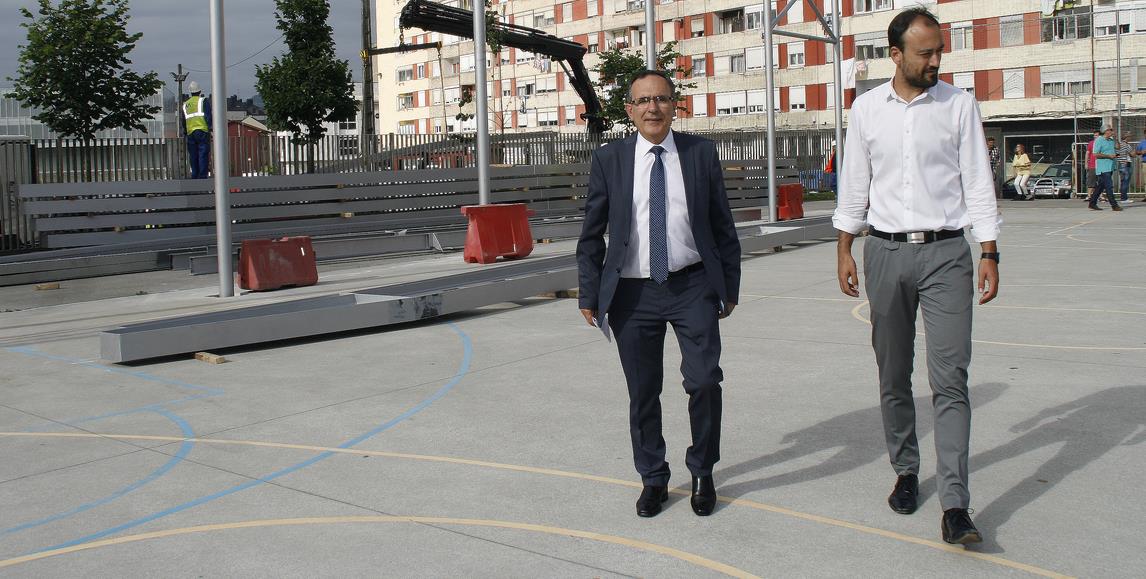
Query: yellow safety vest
[(195, 116)]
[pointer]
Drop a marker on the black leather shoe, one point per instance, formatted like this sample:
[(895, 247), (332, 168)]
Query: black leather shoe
[(958, 528), (703, 495), (904, 498), (649, 505)]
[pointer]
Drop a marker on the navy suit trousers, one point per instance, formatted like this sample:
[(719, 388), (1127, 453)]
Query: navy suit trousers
[(638, 316)]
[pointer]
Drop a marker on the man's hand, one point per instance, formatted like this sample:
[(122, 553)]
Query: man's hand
[(988, 280), (590, 315), (846, 265), (727, 311)]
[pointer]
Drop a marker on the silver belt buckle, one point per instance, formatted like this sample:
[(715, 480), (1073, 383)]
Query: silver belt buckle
[(917, 237)]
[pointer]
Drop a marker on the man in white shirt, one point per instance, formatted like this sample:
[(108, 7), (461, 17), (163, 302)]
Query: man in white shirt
[(916, 172), (673, 258)]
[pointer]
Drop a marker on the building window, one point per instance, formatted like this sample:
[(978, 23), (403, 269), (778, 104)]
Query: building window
[(863, 6), (795, 55), (1011, 30), (527, 88), (436, 95), (543, 18), (1014, 83), (567, 12), (700, 105), (696, 26), (547, 118), (1071, 24), (422, 70), (347, 146), (522, 56), (754, 17), (1105, 20), (797, 98), (756, 101), (348, 125), (795, 15), (754, 58), (1106, 76), (699, 66), (407, 127), (591, 9), (405, 73), (570, 116), (466, 62), (668, 31), (546, 84), (962, 36), (435, 70), (634, 5), (593, 47), (453, 94), (964, 81), (736, 63), (731, 21), (731, 103), (1060, 81), (405, 101), (872, 45)]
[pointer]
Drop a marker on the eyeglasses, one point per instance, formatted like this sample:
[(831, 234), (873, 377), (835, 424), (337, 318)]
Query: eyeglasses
[(645, 100)]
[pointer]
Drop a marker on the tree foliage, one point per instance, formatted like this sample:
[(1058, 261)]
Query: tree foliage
[(307, 86), (617, 66), (73, 69)]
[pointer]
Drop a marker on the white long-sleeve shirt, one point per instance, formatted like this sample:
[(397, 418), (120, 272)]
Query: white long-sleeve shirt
[(681, 245), (918, 166)]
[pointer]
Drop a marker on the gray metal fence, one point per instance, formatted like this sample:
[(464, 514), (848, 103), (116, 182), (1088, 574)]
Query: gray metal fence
[(32, 161)]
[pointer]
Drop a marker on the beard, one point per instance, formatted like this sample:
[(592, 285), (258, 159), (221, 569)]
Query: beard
[(922, 80)]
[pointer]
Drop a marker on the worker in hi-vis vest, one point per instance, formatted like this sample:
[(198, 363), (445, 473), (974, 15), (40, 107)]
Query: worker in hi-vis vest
[(197, 119)]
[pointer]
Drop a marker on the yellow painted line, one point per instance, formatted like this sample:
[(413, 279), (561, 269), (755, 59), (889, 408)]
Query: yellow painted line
[(1080, 224), (1131, 245), (565, 474), (623, 541), (857, 315)]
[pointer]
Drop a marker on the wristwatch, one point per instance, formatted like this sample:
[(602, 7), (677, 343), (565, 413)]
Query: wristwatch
[(990, 255)]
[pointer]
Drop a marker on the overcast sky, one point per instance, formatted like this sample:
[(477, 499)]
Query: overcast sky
[(179, 31)]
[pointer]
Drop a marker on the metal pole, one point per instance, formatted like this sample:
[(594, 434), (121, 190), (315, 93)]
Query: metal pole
[(1074, 151), (838, 47), (770, 100), (367, 75), (219, 151), (651, 34), (1118, 70), (481, 104), (180, 76)]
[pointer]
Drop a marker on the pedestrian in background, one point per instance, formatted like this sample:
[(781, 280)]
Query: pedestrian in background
[(1125, 153), (830, 169), (996, 157), (197, 120), (1091, 176), (1104, 169), (1021, 164)]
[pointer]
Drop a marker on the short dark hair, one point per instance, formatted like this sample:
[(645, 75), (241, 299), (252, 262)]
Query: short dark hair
[(991, 139), (645, 74), (903, 21)]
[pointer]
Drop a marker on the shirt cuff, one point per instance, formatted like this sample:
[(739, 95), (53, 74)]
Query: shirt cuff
[(848, 224), (983, 234)]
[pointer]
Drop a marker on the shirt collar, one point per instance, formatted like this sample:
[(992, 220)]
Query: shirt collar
[(643, 145), (890, 93)]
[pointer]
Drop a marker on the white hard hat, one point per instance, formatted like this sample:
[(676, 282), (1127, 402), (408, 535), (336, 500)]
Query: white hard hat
[(193, 87)]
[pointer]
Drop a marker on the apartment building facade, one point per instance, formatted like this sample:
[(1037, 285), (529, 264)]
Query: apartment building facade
[(1024, 66)]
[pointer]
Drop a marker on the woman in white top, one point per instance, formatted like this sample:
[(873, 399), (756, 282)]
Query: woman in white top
[(1021, 163)]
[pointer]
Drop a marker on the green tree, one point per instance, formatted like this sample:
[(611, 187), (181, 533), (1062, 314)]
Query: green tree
[(307, 86), (617, 66), (73, 69)]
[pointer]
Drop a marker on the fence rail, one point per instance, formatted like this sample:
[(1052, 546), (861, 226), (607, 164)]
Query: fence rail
[(69, 207)]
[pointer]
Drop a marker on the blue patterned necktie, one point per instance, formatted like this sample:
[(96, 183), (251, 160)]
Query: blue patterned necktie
[(658, 216)]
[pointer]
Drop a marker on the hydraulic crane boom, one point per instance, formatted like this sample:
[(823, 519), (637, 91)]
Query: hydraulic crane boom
[(436, 17)]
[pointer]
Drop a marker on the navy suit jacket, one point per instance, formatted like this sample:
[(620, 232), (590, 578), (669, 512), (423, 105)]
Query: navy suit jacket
[(610, 206)]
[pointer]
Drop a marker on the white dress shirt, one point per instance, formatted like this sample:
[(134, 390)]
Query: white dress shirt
[(918, 166), (681, 246)]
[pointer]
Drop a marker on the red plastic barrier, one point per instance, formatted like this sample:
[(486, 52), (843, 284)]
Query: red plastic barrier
[(497, 231), (267, 264), (789, 201)]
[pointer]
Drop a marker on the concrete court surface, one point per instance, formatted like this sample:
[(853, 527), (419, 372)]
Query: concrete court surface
[(495, 443)]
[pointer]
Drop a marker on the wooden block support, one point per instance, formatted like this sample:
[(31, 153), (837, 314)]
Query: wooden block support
[(347, 214), (48, 286), (210, 358)]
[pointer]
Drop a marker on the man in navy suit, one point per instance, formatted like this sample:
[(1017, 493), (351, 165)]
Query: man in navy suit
[(673, 257)]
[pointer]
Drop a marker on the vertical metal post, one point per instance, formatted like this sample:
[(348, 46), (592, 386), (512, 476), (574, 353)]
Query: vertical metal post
[(481, 103), (770, 100), (219, 151), (650, 34), (1118, 70), (1074, 181), (838, 68), (367, 74)]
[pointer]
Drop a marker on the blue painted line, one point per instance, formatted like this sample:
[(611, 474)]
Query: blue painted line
[(184, 450), (463, 369), (29, 351)]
